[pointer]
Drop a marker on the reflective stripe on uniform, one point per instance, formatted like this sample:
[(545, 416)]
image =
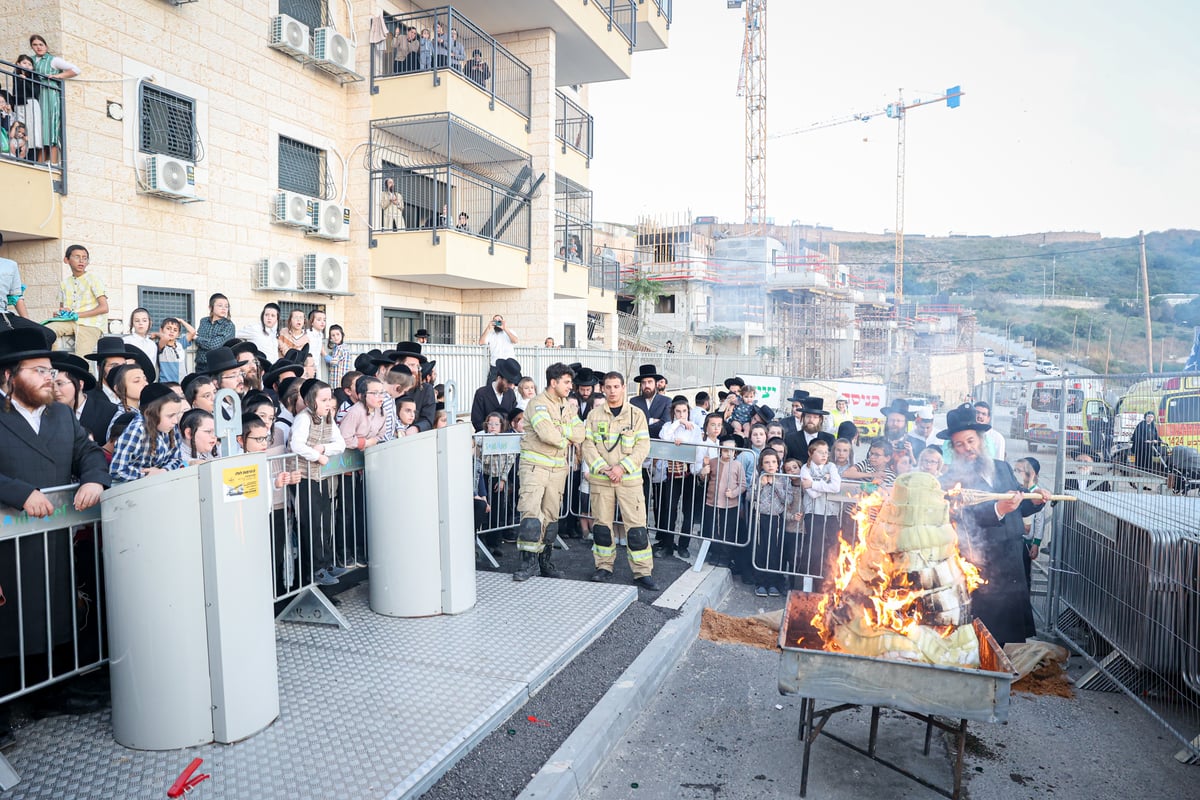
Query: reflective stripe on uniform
[(640, 555), (530, 456), (604, 552)]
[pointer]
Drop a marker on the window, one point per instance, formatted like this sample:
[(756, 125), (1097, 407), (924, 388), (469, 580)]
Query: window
[(664, 304), (286, 307), (1184, 409), (168, 123), (313, 13), (302, 168), (163, 303), (401, 325), (568, 334)]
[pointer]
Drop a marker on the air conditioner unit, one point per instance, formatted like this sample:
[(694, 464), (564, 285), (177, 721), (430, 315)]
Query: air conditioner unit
[(325, 273), (333, 222), (170, 177), (297, 210), (276, 274), (333, 49), (289, 36)]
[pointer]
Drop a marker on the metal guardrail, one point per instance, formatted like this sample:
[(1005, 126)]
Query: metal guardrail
[(496, 71), (621, 15), (664, 8), (435, 198), (573, 125), (28, 93), (51, 595)]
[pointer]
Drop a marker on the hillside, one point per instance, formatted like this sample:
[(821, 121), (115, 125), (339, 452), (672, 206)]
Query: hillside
[(987, 272)]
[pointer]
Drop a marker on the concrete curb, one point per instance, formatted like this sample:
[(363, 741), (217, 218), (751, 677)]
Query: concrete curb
[(569, 771)]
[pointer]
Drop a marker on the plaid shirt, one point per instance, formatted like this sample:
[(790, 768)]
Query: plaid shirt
[(129, 456)]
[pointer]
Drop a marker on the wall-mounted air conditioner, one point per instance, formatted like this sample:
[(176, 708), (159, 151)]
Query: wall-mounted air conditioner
[(331, 49), (275, 274), (289, 36), (333, 222), (170, 177), (325, 273), (296, 210)]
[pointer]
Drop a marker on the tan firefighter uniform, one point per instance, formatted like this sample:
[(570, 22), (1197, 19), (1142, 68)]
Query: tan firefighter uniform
[(550, 430), (623, 440)]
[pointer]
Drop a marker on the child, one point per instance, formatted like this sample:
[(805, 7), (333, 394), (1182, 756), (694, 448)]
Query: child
[(497, 470), (139, 335), (769, 506), (724, 483), (930, 460), (256, 438), (843, 455), (346, 396), (171, 349), (361, 428), (441, 419), (743, 412), (150, 445), (115, 429), (821, 514), (406, 412), (876, 468), (679, 483), (19, 142), (198, 430), (340, 359), (315, 438), (794, 542)]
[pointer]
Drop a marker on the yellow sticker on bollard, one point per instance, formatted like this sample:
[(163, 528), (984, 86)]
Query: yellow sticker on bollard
[(240, 483)]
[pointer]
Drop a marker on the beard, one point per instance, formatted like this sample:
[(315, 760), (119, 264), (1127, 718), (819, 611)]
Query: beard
[(32, 396), (973, 469)]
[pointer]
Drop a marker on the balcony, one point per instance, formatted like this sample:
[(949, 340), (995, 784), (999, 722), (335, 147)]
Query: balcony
[(653, 24), (573, 128), (473, 77), (572, 237), (595, 38), (28, 176)]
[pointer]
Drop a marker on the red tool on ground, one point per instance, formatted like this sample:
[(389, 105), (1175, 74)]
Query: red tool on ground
[(186, 780)]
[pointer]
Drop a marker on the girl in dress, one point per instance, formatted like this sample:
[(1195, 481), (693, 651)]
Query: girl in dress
[(59, 69)]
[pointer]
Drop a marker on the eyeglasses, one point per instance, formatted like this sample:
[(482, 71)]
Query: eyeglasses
[(229, 376), (260, 439), (45, 372)]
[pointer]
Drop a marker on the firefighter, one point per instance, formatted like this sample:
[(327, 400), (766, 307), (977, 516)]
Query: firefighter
[(551, 427), (616, 441)]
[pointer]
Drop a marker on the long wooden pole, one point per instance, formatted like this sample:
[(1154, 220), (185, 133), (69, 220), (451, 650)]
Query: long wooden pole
[(1146, 302)]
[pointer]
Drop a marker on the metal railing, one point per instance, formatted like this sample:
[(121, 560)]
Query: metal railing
[(573, 126), (664, 8), (51, 595), (455, 44), (621, 15), (33, 105), (604, 273), (444, 197)]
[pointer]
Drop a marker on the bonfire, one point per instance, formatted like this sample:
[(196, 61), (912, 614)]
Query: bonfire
[(903, 590)]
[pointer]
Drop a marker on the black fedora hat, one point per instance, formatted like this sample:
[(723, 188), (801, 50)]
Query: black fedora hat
[(427, 368), (509, 369), (734, 381), (648, 371), (798, 396), (10, 320), (245, 347), (295, 356), (585, 376), (280, 368), (108, 347), (220, 359), (19, 344), (962, 419), (814, 405), (368, 363), (898, 406), (410, 350), (766, 413), (421, 332), (142, 360), (75, 366)]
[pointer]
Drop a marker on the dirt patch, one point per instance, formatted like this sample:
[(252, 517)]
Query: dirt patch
[(1047, 679), (724, 629)]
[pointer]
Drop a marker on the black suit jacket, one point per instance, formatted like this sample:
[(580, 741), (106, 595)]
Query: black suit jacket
[(789, 425), (485, 403), (797, 446), (61, 453), (98, 413), (426, 398), (658, 408)]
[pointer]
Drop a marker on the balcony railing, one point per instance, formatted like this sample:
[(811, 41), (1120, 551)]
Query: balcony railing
[(444, 197), (572, 125), (621, 15), (604, 273), (664, 9), (33, 117), (457, 45)]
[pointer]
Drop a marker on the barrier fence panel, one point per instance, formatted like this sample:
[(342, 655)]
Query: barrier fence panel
[(318, 531), (497, 487), (1123, 577), (51, 595)]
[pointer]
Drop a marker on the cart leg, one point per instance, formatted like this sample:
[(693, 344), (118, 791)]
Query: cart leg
[(928, 734), (874, 731), (806, 721), (958, 762)]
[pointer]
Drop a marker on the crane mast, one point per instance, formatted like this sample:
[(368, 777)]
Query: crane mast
[(752, 85)]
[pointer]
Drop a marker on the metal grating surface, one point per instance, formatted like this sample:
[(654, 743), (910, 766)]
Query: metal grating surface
[(380, 710)]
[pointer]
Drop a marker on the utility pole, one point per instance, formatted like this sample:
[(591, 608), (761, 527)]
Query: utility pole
[(1108, 358), (1146, 302)]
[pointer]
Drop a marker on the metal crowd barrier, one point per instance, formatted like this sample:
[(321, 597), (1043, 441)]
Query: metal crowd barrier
[(315, 525)]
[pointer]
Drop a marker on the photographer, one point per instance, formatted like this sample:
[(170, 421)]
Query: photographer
[(499, 340)]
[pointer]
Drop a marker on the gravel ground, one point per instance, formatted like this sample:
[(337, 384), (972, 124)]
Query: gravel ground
[(501, 765)]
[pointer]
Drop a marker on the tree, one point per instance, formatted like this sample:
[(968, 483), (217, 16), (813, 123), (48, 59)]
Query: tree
[(642, 290)]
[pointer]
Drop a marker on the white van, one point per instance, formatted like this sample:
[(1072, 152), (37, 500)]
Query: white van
[(1044, 365)]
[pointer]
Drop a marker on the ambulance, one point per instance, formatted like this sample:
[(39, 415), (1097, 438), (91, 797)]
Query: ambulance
[(1175, 402), (1089, 418)]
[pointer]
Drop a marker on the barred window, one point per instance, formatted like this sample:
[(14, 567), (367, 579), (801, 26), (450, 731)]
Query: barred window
[(168, 122), (163, 303), (302, 168), (313, 13)]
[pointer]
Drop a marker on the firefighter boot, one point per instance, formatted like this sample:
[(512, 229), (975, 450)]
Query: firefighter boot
[(529, 566), (545, 566)]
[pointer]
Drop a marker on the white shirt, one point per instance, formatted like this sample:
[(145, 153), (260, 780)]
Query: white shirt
[(299, 439), (34, 418), (499, 346), (316, 346), (267, 342), (145, 344)]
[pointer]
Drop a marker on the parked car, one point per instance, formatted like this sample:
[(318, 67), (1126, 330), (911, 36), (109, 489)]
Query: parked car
[(1022, 362), (988, 352), (995, 369), (1044, 365)]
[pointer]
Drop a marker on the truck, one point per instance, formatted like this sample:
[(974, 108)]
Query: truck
[(1089, 417), (864, 400)]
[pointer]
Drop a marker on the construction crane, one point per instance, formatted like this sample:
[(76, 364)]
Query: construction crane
[(752, 85), (899, 112)]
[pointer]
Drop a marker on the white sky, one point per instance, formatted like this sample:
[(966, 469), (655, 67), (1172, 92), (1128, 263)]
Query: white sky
[(1077, 116)]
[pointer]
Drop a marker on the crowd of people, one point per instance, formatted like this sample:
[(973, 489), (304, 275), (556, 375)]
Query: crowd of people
[(419, 45), (773, 495), (31, 104)]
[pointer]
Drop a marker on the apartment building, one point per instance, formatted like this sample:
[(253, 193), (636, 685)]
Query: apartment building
[(305, 152)]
